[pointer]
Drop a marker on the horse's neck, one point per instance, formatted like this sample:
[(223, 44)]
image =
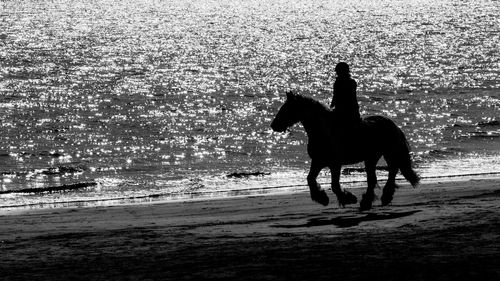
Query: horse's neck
[(314, 123)]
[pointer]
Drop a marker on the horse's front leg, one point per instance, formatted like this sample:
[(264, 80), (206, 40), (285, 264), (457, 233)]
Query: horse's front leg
[(317, 193), (343, 196)]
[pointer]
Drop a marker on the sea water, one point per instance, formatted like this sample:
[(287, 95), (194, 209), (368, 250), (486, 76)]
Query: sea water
[(110, 101)]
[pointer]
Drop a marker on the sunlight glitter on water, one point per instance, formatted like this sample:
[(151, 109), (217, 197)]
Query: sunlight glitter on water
[(167, 93)]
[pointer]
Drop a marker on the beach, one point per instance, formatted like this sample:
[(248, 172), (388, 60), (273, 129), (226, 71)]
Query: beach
[(439, 231)]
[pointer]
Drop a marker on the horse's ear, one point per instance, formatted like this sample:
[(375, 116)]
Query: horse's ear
[(290, 95)]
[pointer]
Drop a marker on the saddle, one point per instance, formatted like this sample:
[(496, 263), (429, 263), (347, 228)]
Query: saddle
[(350, 133)]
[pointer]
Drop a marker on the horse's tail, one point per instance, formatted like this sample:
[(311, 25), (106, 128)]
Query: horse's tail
[(404, 159), (398, 154), (405, 163)]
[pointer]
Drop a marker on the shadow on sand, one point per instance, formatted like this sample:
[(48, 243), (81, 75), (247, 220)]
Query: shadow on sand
[(349, 221)]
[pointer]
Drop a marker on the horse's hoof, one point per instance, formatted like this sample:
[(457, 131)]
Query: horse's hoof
[(347, 198), (366, 203), (320, 197), (386, 199)]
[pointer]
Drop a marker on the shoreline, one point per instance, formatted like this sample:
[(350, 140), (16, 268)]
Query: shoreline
[(438, 231), (165, 198)]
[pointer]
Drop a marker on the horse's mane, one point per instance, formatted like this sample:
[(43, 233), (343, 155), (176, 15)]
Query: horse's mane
[(314, 104)]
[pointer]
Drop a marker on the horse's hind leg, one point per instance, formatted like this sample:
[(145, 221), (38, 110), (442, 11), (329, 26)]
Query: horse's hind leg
[(390, 186), (367, 200), (317, 193)]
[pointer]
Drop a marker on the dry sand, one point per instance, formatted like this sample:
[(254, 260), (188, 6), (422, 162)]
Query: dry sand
[(439, 231)]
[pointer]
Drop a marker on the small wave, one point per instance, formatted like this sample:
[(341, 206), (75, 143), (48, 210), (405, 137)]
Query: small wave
[(456, 125), (247, 174), (485, 134), (65, 187), (494, 123), (443, 152), (54, 154), (349, 171), (473, 132), (52, 171), (63, 170), (44, 153)]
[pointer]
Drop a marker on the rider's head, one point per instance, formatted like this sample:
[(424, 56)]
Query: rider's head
[(342, 69)]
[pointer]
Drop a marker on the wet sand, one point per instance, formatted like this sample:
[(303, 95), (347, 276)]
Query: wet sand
[(439, 231)]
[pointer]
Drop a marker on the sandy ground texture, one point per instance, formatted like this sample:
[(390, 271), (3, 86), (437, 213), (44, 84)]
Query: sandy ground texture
[(438, 231)]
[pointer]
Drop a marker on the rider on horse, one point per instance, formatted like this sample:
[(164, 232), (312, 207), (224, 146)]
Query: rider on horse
[(344, 102)]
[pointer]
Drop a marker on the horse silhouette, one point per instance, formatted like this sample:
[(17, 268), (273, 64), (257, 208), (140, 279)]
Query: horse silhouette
[(332, 143)]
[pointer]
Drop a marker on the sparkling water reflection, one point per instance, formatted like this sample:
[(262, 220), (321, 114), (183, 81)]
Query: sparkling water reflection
[(171, 96)]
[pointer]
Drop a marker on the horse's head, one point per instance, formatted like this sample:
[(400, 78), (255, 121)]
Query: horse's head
[(288, 114)]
